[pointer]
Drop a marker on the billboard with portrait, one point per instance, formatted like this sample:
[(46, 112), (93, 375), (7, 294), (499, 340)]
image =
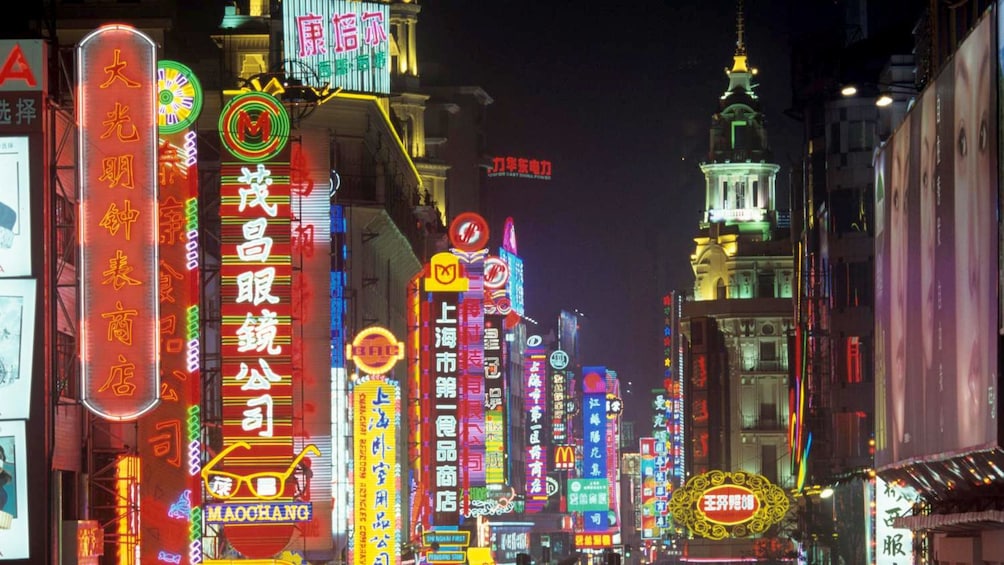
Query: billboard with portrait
[(936, 267)]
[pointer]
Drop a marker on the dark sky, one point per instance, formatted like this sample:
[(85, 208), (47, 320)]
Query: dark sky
[(619, 96)]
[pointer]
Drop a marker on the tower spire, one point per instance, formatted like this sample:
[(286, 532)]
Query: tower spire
[(740, 28), (739, 60)]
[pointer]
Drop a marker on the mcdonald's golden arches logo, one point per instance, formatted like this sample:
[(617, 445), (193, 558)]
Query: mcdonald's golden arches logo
[(564, 458)]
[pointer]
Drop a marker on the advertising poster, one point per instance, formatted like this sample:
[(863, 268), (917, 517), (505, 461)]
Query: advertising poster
[(15, 210), (936, 201), (13, 492), (17, 328)]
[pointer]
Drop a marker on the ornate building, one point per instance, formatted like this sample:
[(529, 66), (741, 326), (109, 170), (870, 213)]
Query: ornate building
[(739, 320)]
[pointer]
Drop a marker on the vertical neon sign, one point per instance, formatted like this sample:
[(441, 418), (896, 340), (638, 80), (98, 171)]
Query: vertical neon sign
[(535, 403), (117, 155), (172, 449), (256, 276), (375, 412), (594, 441)]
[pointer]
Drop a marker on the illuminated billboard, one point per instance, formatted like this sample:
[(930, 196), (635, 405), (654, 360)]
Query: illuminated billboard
[(118, 222), (536, 424), (520, 167), (312, 244), (256, 273), (338, 44), (893, 545), (441, 315), (936, 266), (472, 381), (13, 491), (720, 504), (495, 429), (376, 414), (594, 440), (173, 430)]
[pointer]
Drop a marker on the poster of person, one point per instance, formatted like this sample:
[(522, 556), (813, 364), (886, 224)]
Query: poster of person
[(13, 492), (15, 210), (17, 327)]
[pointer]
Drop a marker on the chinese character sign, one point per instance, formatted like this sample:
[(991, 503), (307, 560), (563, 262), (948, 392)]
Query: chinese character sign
[(444, 444), (494, 401), (536, 427), (172, 431), (594, 441), (471, 380), (344, 43), (119, 267), (375, 413), (521, 167), (256, 331), (893, 546)]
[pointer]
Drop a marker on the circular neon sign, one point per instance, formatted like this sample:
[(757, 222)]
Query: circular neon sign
[(254, 126), (375, 351), (179, 97)]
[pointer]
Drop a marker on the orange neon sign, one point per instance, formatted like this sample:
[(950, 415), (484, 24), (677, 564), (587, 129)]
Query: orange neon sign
[(117, 146)]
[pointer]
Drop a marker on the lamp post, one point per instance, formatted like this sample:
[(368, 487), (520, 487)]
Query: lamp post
[(885, 93)]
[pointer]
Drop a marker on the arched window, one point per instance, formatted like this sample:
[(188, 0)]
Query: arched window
[(720, 289)]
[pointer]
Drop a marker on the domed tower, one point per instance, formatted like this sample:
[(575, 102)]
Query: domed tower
[(740, 178), (740, 185)]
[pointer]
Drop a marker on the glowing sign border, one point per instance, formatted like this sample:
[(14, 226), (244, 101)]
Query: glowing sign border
[(685, 504)]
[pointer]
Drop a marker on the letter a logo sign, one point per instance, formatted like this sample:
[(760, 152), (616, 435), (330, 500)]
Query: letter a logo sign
[(17, 73)]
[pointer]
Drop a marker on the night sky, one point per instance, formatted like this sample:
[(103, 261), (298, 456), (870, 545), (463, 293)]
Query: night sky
[(620, 99)]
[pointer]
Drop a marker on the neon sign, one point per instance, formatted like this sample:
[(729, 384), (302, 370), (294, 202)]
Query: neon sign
[(376, 406), (535, 403), (375, 350), (343, 43), (117, 146), (520, 167), (256, 293), (720, 504)]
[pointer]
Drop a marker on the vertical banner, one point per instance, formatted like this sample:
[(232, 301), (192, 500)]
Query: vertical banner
[(893, 545), (340, 487), (311, 249), (118, 222), (170, 507), (495, 427), (594, 440), (443, 285), (472, 381), (649, 527), (257, 465), (535, 404), (376, 412)]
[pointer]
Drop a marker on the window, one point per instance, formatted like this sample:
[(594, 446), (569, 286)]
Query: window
[(756, 191), (768, 351), (765, 285), (725, 194), (740, 195), (720, 292), (768, 462)]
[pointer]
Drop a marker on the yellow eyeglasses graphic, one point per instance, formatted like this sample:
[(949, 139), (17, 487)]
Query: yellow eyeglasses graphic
[(267, 485)]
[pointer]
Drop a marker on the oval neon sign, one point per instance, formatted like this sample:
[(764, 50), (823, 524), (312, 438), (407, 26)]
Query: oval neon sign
[(729, 504)]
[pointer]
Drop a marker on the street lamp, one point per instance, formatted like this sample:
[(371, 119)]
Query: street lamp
[(886, 92)]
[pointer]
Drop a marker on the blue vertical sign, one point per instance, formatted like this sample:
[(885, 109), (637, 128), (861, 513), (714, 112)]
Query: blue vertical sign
[(594, 442)]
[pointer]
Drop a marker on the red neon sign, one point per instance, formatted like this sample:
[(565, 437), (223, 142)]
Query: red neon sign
[(117, 146), (729, 504), (522, 167)]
